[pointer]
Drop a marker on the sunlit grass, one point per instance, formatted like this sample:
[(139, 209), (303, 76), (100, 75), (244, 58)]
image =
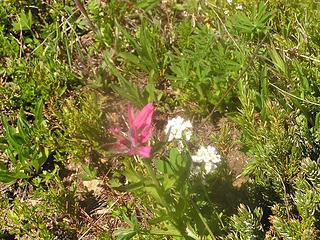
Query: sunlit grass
[(245, 75)]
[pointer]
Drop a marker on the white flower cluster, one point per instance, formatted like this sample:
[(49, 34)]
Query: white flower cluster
[(178, 128), (208, 156)]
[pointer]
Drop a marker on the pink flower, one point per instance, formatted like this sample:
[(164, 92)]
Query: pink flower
[(135, 142)]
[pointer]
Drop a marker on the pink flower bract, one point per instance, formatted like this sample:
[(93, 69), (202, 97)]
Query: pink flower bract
[(135, 142)]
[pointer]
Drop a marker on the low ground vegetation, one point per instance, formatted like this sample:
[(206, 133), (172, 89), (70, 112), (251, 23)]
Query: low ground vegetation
[(159, 119)]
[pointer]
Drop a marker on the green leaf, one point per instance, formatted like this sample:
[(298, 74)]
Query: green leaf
[(264, 93), (24, 22), (9, 177), (124, 233), (13, 217), (278, 61), (168, 182), (125, 88), (170, 232), (164, 166), (38, 113), (39, 159), (20, 175), (3, 167), (129, 57), (176, 160), (23, 127), (128, 233), (127, 35), (152, 191), (317, 122), (131, 187), (89, 173), (130, 172), (12, 138), (148, 5), (150, 90)]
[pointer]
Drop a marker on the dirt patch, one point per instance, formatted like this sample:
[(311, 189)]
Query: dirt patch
[(224, 134)]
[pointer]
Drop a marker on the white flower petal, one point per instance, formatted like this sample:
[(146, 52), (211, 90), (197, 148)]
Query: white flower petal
[(208, 156), (208, 167), (177, 128)]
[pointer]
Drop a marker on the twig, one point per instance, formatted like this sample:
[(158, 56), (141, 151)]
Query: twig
[(285, 194), (224, 26), (49, 35), (300, 55), (293, 96), (84, 12), (203, 220), (92, 224), (310, 58), (252, 58)]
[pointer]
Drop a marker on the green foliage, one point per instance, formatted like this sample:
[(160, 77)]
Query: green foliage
[(253, 25), (252, 61), (247, 224), (105, 17), (148, 55), (33, 53), (170, 192), (38, 46), (202, 67), (24, 22), (37, 217), (147, 45), (24, 147), (278, 124), (126, 88), (24, 220), (82, 119), (256, 62)]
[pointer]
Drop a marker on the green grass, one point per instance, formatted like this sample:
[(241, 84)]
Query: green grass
[(68, 70)]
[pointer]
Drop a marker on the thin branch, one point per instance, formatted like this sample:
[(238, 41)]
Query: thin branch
[(293, 96), (225, 27), (85, 13), (252, 58)]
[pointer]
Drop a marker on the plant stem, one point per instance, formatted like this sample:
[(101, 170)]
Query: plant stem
[(161, 192), (203, 220)]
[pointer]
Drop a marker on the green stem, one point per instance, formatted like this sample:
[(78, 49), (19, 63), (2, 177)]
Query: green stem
[(203, 220), (152, 174), (161, 193)]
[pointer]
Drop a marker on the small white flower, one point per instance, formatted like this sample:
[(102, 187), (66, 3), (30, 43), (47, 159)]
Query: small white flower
[(226, 12), (209, 166), (239, 7), (229, 2), (178, 128), (208, 156)]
